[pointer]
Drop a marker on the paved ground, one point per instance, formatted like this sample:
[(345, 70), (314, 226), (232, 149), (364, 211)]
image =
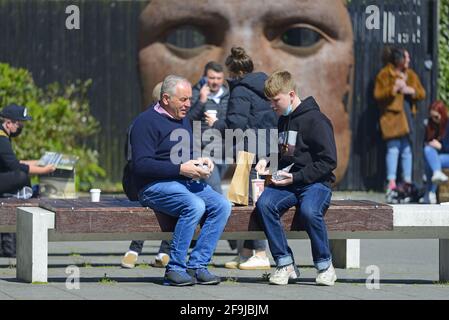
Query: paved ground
[(408, 270)]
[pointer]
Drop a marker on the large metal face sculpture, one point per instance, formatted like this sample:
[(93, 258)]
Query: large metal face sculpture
[(311, 39)]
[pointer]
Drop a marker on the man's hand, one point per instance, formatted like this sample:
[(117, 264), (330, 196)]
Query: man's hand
[(261, 167), (283, 182), (49, 168), (192, 169), (34, 169), (210, 120), (208, 162), (436, 144), (204, 93)]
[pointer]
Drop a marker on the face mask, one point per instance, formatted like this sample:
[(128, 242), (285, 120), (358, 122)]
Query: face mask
[(17, 133), (288, 110)]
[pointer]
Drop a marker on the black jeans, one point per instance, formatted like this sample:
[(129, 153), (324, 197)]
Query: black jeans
[(137, 246), (11, 182)]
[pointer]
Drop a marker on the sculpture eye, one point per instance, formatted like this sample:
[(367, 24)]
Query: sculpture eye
[(186, 37), (300, 37)]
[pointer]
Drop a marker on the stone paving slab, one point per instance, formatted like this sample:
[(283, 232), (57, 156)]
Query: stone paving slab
[(408, 270)]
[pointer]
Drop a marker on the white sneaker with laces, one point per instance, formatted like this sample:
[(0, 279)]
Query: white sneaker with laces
[(439, 177), (283, 274), (256, 263), (327, 277)]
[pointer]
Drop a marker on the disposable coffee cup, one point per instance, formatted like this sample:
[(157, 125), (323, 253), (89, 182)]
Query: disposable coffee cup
[(212, 113), (257, 188), (95, 195)]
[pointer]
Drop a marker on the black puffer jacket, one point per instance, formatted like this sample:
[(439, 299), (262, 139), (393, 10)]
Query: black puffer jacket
[(248, 108)]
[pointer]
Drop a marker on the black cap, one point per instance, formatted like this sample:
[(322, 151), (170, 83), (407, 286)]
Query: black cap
[(15, 112)]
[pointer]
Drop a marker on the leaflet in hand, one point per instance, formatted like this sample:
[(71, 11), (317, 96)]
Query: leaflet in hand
[(60, 161)]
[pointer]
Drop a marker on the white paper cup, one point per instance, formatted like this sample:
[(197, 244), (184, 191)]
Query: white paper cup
[(95, 195), (257, 186), (212, 113)]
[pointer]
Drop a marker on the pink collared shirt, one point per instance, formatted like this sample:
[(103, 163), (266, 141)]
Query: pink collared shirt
[(158, 108)]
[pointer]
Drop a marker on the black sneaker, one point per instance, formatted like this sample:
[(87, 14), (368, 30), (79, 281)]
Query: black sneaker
[(203, 276), (178, 278)]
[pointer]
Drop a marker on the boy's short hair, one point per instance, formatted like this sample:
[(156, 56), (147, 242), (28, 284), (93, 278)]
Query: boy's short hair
[(280, 82)]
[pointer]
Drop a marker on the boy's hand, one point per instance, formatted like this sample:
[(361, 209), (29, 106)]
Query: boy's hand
[(261, 167), (284, 182)]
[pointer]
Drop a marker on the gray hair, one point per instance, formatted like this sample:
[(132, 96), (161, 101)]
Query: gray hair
[(170, 83)]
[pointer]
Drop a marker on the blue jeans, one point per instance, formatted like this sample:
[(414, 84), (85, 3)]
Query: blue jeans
[(396, 147), (434, 162), (189, 201), (312, 202)]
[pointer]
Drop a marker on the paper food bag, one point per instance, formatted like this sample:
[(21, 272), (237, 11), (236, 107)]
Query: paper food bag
[(239, 189)]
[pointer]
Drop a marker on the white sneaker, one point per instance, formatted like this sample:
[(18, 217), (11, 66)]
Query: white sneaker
[(327, 277), (283, 274), (129, 260), (439, 177), (432, 198), (161, 260), (255, 263)]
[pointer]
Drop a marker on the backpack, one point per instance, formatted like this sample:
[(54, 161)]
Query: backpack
[(129, 187), (405, 193)]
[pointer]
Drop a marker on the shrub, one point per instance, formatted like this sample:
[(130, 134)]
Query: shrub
[(61, 120), (443, 52)]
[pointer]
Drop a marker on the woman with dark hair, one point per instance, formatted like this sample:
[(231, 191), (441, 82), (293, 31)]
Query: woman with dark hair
[(436, 149), (248, 108), (397, 90)]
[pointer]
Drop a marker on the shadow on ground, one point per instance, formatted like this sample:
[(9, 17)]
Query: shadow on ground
[(235, 280)]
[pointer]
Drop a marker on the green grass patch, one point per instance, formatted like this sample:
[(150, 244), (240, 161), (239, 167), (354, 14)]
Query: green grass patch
[(107, 280), (74, 254)]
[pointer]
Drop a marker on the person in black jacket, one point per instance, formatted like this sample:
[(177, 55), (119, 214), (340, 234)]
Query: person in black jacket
[(248, 108), (307, 145), (14, 174)]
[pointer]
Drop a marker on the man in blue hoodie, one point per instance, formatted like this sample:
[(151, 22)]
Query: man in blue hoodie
[(168, 181), (307, 145)]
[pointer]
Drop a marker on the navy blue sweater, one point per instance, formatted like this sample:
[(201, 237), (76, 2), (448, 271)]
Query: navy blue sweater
[(151, 147)]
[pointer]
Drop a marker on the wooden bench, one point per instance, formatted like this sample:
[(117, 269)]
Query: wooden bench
[(80, 220)]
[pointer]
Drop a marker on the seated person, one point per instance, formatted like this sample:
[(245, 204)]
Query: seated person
[(306, 141), (14, 174), (175, 189), (436, 149)]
